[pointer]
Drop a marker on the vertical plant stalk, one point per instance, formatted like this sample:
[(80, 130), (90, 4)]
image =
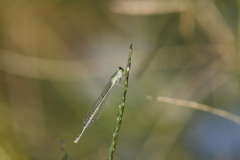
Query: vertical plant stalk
[(63, 150), (121, 107)]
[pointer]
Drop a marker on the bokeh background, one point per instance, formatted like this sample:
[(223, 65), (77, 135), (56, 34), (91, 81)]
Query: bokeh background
[(56, 56)]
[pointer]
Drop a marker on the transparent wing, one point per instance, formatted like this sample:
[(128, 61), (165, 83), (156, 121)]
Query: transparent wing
[(96, 110), (94, 113)]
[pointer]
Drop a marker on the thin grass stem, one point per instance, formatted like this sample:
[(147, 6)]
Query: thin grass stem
[(63, 150), (121, 107), (197, 106)]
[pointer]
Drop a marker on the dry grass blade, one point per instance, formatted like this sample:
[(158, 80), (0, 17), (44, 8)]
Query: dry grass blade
[(197, 106)]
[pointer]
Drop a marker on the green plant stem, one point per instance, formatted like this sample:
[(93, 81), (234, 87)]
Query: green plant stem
[(63, 150), (121, 107)]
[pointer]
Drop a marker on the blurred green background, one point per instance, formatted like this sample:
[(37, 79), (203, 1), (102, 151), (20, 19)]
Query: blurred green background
[(56, 56)]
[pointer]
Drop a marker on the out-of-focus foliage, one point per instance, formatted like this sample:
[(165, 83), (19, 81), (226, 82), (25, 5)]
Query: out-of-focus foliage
[(56, 56)]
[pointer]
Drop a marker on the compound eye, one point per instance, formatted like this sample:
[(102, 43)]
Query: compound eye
[(120, 69)]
